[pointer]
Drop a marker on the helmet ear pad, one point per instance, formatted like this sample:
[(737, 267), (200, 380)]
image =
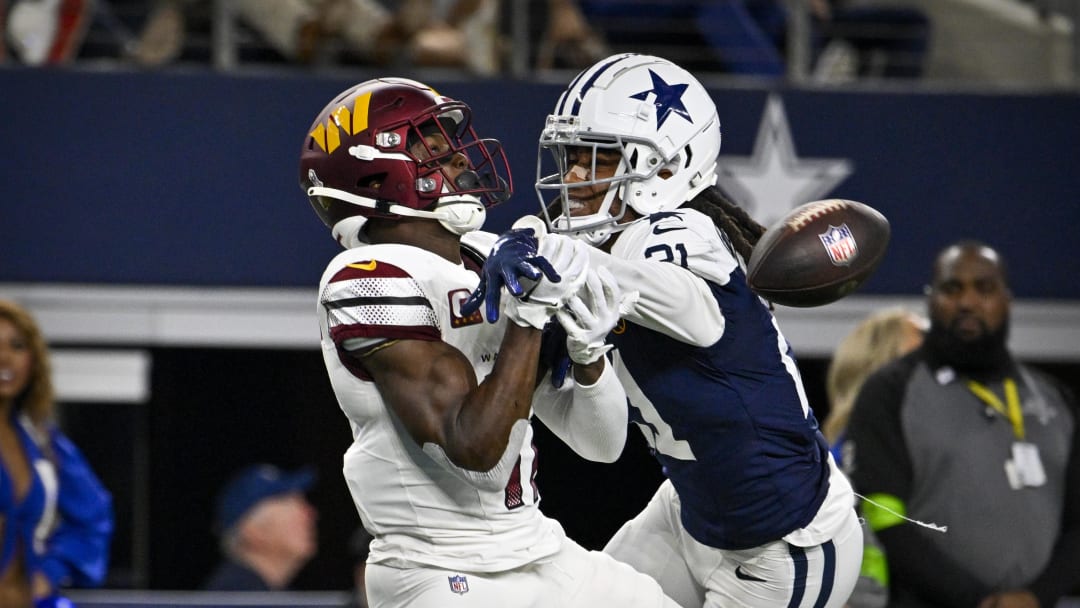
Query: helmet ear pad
[(349, 232)]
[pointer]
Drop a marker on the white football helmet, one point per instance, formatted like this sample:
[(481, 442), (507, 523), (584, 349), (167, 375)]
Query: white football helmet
[(651, 110)]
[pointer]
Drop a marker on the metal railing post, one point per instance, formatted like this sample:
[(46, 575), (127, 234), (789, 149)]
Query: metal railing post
[(223, 45), (798, 41)]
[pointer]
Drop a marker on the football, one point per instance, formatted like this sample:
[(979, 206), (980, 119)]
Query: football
[(818, 253)]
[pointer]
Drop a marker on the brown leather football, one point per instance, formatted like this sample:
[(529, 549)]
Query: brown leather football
[(818, 253)]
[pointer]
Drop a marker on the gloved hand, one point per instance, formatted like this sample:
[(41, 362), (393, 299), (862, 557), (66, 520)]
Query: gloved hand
[(513, 256), (53, 601), (570, 259), (553, 353), (591, 314)]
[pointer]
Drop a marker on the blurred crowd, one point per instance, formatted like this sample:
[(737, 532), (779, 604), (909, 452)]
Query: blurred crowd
[(847, 39)]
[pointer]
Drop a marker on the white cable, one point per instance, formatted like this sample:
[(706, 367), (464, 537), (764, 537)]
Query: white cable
[(934, 527)]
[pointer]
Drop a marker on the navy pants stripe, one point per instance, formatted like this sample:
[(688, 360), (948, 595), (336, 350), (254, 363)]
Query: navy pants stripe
[(828, 573), (798, 583)]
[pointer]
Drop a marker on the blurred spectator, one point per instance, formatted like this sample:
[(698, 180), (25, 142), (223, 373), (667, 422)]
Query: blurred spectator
[(960, 434), (568, 40), (882, 40), (44, 32), (700, 36), (876, 340), (405, 33), (267, 529), (56, 518), (162, 36), (747, 37)]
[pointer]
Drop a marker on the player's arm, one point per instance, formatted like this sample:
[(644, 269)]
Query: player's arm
[(882, 472), (671, 299), (590, 418), (431, 386), (590, 415)]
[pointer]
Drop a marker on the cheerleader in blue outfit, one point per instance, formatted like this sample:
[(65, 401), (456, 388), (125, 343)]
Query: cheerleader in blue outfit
[(56, 518)]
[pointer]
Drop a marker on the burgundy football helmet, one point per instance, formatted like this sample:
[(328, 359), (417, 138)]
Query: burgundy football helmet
[(393, 147)]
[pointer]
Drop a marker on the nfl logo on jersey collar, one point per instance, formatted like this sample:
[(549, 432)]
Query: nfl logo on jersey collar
[(459, 584)]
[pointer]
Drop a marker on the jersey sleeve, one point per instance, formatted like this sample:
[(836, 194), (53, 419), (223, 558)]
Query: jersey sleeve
[(672, 260), (592, 420), (370, 301)]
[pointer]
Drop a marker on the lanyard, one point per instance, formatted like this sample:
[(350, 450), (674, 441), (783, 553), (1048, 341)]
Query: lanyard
[(1010, 409)]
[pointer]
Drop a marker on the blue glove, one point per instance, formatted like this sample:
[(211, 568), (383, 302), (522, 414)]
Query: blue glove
[(514, 255), (53, 601), (554, 354)]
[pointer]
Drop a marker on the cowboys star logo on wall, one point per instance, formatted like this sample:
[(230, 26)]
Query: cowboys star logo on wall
[(668, 99), (773, 180)]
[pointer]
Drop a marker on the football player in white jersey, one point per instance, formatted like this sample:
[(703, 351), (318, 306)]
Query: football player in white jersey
[(442, 467), (754, 512)]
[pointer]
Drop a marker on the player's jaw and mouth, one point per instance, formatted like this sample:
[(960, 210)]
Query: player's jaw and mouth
[(582, 202)]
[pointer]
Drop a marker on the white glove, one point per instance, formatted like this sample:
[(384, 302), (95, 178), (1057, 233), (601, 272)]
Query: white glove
[(570, 258), (524, 313), (591, 314)]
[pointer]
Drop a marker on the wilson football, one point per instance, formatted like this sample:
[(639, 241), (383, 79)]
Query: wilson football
[(818, 253)]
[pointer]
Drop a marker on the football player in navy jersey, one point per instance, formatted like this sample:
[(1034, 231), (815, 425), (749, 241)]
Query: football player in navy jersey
[(442, 466), (754, 511)]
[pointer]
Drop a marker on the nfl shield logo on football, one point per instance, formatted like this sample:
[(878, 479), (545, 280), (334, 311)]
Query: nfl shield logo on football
[(840, 244), (459, 584)]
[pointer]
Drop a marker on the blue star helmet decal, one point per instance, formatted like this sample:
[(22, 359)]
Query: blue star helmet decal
[(668, 99)]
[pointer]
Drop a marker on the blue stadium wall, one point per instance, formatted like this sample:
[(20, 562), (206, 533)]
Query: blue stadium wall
[(190, 178)]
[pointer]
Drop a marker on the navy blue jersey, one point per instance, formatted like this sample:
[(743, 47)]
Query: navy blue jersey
[(714, 387)]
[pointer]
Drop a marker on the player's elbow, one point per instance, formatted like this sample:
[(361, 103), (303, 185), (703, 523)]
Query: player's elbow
[(705, 339), (475, 457), (599, 445), (606, 454), (484, 466), (700, 335)]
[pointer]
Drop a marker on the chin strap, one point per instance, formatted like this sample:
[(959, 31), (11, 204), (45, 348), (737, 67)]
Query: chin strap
[(458, 213), (593, 236)]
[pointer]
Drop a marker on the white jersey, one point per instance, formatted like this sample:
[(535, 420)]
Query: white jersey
[(420, 512)]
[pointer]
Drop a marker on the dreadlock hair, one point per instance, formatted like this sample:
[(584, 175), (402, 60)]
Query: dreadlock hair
[(736, 223)]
